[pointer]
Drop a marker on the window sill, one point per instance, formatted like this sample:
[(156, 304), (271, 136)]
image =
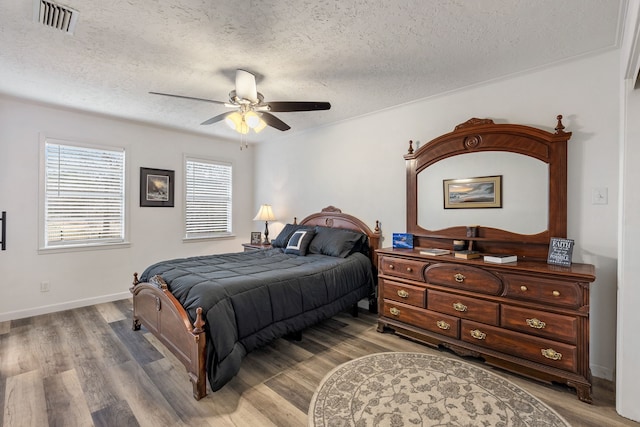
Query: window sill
[(80, 248), (206, 238)]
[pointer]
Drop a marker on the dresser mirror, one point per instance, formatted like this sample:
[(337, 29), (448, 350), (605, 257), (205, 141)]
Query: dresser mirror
[(525, 192), (532, 164)]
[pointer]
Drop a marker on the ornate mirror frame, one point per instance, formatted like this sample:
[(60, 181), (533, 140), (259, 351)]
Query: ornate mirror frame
[(476, 135)]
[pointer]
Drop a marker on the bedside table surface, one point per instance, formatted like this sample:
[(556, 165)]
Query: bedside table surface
[(256, 246)]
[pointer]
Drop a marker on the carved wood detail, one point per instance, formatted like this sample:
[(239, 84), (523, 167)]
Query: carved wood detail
[(481, 135)]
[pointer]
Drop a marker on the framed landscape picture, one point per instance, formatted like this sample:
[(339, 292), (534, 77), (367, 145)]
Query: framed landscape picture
[(467, 193), (156, 187)]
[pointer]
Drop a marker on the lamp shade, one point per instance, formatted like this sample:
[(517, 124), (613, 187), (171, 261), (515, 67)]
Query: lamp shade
[(265, 214)]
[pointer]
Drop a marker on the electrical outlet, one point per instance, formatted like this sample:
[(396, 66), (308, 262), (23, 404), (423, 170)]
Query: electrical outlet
[(44, 286)]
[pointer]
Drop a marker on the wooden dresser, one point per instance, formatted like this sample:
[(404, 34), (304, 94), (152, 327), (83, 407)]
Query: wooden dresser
[(527, 317)]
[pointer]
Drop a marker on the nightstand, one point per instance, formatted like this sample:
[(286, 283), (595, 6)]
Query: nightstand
[(248, 247)]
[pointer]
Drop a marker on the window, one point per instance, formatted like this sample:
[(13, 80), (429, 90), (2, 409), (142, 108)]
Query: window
[(207, 198), (83, 195)]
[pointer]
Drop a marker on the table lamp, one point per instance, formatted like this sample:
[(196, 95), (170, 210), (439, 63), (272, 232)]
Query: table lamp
[(265, 214)]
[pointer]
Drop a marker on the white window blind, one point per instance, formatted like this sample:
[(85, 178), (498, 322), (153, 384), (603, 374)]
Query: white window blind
[(208, 198), (84, 195)]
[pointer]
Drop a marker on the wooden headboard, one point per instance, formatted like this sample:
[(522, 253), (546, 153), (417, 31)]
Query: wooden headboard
[(333, 217)]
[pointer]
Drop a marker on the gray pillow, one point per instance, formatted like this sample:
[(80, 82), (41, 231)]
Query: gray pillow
[(336, 242)]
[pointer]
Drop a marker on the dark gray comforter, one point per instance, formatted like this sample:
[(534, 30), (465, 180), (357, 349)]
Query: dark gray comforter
[(252, 298)]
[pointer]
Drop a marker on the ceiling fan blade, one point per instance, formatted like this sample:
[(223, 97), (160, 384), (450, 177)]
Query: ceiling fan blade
[(188, 97), (215, 119), (275, 122), (246, 86), (285, 106)]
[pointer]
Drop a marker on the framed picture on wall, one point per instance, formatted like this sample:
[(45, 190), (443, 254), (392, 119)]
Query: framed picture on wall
[(467, 193), (156, 187)]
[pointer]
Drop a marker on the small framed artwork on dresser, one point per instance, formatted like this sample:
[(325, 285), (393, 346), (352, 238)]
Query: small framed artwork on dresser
[(256, 237)]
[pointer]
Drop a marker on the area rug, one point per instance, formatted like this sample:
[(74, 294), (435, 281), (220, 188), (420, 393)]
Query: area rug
[(417, 389)]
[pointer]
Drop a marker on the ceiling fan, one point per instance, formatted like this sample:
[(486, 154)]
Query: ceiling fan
[(251, 111)]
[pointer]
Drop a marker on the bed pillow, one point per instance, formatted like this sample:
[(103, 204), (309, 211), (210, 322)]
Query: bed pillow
[(337, 242), (283, 238), (299, 242)]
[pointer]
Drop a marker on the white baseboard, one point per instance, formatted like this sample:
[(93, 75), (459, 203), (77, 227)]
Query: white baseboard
[(20, 314), (602, 372)]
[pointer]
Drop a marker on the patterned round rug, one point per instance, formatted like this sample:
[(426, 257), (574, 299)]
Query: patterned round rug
[(417, 389)]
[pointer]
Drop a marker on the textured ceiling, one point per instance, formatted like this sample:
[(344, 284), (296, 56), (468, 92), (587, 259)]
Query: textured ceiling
[(362, 56)]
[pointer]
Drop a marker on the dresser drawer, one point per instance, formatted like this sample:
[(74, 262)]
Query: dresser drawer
[(547, 352), (543, 290), (540, 323), (413, 295), (464, 307), (424, 319), (463, 277), (405, 268)]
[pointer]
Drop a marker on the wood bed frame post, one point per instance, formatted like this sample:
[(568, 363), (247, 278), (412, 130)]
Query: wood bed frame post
[(199, 379)]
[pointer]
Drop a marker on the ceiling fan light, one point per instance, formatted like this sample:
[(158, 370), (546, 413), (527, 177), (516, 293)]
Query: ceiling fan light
[(252, 119), (233, 120), (261, 125)]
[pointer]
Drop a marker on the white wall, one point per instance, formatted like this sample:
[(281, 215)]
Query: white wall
[(86, 277), (358, 165)]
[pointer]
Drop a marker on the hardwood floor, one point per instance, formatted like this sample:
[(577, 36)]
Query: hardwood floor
[(86, 367)]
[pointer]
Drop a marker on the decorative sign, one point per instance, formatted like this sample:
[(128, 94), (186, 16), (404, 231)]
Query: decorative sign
[(403, 240), (560, 251)]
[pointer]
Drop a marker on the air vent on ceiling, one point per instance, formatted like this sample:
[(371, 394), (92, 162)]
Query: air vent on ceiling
[(55, 15)]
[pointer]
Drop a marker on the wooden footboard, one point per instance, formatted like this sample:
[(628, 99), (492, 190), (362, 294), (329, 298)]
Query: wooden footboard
[(161, 313)]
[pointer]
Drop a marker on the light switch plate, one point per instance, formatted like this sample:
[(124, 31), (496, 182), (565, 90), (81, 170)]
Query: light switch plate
[(600, 196)]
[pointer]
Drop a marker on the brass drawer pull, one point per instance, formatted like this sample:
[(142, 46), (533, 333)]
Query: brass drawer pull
[(458, 306), (394, 311), (478, 334), (391, 267), (550, 353), (409, 269), (556, 293), (459, 277), (403, 294), (443, 325), (524, 288), (536, 324)]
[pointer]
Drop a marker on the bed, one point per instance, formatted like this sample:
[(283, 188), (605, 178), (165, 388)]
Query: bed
[(210, 311)]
